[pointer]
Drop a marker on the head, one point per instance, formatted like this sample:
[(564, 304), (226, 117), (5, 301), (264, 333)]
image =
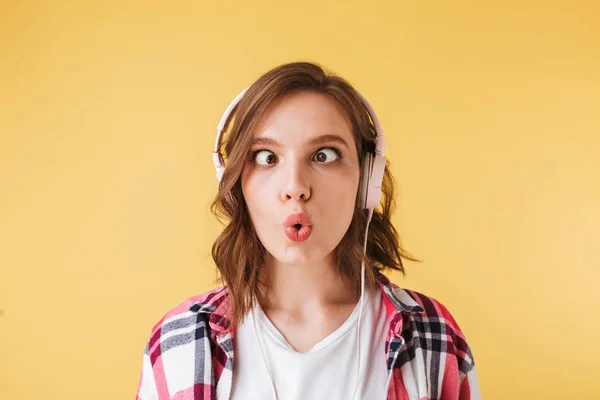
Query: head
[(295, 144)]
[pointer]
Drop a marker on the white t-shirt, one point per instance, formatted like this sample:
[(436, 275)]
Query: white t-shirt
[(327, 371)]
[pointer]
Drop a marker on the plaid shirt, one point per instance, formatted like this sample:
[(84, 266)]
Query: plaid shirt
[(190, 352)]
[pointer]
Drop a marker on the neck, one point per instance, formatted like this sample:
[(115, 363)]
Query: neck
[(304, 288)]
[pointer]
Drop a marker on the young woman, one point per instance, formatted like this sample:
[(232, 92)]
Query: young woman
[(305, 311)]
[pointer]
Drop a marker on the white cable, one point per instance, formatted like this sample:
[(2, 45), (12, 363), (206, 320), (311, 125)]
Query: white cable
[(362, 295)]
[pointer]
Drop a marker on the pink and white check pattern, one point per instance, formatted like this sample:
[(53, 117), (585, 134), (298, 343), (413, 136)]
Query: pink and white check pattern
[(190, 352)]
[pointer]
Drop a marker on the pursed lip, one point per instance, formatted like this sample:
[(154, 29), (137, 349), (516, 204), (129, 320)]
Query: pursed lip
[(297, 219)]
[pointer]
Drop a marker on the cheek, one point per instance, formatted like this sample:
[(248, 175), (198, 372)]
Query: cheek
[(340, 194), (247, 191), (254, 195), (345, 184)]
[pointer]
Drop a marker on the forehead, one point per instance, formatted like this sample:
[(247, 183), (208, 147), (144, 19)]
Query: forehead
[(300, 116)]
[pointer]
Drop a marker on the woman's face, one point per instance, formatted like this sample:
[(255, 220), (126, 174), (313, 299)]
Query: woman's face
[(303, 160)]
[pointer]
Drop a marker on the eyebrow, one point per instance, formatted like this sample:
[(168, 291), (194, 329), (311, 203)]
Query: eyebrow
[(267, 141)]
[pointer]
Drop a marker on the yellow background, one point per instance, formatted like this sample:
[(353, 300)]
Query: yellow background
[(107, 118)]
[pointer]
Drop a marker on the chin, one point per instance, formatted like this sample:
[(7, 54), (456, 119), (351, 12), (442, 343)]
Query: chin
[(298, 254)]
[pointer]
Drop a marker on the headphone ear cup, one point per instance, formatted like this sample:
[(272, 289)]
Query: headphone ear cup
[(376, 172), (219, 165), (365, 175)]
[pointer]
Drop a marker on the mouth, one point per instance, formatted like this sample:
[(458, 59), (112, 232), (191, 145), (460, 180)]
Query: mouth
[(298, 233), (298, 227)]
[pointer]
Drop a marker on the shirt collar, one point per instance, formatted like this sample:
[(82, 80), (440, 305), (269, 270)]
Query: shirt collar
[(399, 298), (398, 302), (216, 304)]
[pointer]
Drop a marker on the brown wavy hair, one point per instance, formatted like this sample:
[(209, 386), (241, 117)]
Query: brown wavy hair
[(238, 253)]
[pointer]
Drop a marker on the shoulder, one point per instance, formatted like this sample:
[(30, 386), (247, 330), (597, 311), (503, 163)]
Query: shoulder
[(433, 310), (419, 305), (435, 329), (427, 337), (179, 356), (194, 310)]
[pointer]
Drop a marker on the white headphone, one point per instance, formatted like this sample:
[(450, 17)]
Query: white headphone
[(371, 177)]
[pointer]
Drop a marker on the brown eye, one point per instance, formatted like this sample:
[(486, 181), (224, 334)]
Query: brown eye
[(265, 157), (326, 155)]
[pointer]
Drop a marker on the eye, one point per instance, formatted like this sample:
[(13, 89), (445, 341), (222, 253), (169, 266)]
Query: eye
[(327, 155), (264, 157)]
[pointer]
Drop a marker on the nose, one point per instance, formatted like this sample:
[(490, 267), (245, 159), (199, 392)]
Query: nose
[(295, 183)]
